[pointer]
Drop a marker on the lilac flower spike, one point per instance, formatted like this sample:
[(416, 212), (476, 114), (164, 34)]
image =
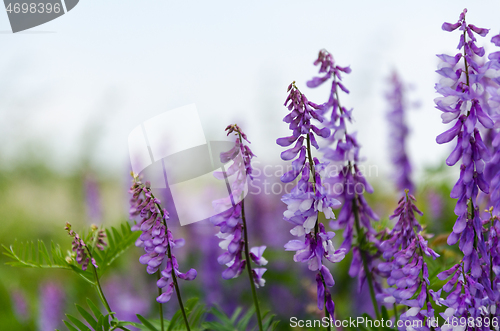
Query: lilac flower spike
[(399, 133), (348, 184), (491, 83), (404, 249), (156, 239), (462, 104), (230, 222), (309, 197), (231, 218), (82, 253)]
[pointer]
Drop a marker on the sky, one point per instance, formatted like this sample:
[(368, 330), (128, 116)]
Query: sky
[(78, 85)]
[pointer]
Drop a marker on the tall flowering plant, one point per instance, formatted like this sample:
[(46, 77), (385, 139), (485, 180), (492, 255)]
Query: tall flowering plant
[(309, 197), (490, 79), (461, 103), (397, 265), (232, 223), (396, 117), (158, 243), (348, 184), (404, 249)]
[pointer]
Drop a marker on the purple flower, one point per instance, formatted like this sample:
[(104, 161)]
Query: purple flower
[(230, 218), (403, 233), (348, 184), (460, 103), (490, 72), (398, 134), (51, 306), (309, 197), (403, 250), (82, 253), (463, 104), (156, 238)]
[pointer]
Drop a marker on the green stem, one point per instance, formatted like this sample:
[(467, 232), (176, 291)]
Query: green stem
[(174, 277), (395, 313), (361, 242), (160, 305), (466, 65), (99, 288), (249, 268), (180, 302), (313, 171), (97, 284), (316, 225)]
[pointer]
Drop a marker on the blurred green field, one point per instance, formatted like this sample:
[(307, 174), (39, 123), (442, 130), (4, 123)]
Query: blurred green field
[(36, 202)]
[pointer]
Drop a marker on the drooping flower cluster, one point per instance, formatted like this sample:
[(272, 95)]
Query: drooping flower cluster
[(230, 218), (462, 102), (80, 248), (309, 197), (491, 81), (349, 184), (156, 238), (493, 248), (404, 249), (399, 133), (475, 294)]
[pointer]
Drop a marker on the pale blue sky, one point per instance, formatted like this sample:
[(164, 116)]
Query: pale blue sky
[(114, 64)]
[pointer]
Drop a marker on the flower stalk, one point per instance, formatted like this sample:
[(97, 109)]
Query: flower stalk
[(158, 242), (232, 222)]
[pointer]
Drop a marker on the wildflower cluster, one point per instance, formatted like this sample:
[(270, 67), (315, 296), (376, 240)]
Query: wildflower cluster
[(156, 239), (462, 99), (349, 184), (83, 255), (490, 79), (397, 265), (404, 249), (308, 198), (231, 220)]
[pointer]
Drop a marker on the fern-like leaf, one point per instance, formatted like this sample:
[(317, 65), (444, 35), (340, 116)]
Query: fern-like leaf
[(118, 242), (29, 255)]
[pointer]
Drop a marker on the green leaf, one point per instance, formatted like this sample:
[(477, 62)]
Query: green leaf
[(243, 323), (385, 313), (95, 310), (78, 323), (146, 323), (100, 323), (235, 315), (43, 250), (268, 322), (175, 320), (105, 322), (87, 316), (70, 327), (29, 255), (236, 322), (118, 243)]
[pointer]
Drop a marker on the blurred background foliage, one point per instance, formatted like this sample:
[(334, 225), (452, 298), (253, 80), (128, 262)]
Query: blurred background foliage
[(36, 201)]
